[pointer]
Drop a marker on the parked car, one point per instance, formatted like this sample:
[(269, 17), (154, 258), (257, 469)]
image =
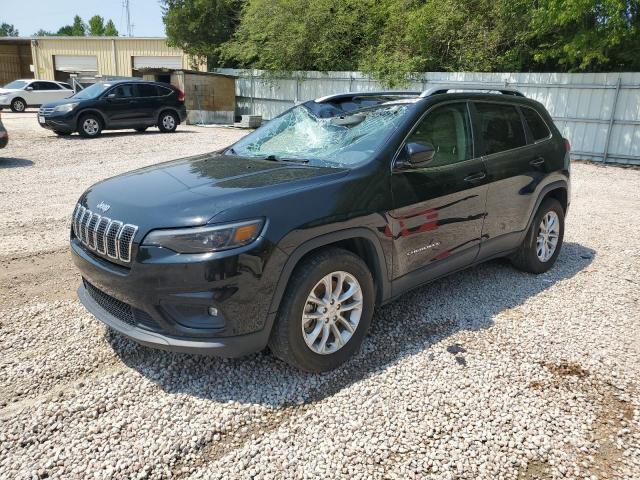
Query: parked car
[(4, 136), (20, 94), (290, 237), (114, 106)]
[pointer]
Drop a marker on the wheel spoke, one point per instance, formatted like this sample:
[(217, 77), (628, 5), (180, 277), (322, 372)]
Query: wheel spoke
[(337, 335), (344, 322), (339, 285), (353, 289), (351, 306), (313, 336), (325, 337)]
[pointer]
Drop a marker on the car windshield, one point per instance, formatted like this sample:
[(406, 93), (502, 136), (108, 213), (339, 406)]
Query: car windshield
[(343, 140), (15, 85), (91, 92)]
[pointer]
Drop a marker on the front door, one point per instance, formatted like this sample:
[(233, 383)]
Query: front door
[(439, 208)]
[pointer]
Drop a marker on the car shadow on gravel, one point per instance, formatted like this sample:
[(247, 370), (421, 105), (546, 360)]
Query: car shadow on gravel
[(117, 133), (12, 162), (468, 300)]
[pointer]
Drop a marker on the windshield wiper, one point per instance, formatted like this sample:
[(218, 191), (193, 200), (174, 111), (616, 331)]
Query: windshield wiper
[(273, 158)]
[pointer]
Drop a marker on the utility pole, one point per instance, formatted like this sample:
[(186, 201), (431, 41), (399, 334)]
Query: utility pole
[(125, 5)]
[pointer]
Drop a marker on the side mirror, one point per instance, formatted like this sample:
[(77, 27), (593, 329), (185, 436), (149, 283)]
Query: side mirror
[(29, 89), (419, 154), (111, 95)]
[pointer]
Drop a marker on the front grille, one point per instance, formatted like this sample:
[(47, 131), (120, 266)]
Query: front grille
[(121, 310), (102, 234), (46, 111)]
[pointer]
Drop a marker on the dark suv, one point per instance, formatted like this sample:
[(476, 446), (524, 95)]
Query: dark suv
[(290, 237), (114, 106)]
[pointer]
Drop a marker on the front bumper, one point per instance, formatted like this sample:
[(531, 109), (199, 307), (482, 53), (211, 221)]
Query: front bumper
[(60, 123), (166, 299)]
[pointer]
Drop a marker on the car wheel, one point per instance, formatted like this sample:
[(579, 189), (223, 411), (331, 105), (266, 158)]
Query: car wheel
[(90, 126), (62, 134), (168, 122), (141, 129), (18, 105), (325, 312), (541, 245)]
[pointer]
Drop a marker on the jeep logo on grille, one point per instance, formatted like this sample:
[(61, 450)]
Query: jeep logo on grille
[(103, 206)]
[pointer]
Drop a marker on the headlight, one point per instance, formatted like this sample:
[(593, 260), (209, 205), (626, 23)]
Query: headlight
[(67, 107), (206, 239)]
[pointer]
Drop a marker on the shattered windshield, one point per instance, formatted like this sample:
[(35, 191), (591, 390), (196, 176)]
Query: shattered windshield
[(344, 140)]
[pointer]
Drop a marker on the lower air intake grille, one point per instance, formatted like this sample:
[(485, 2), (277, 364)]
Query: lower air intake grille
[(122, 311)]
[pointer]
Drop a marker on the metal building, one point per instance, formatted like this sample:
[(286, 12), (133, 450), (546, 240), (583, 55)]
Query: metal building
[(58, 58)]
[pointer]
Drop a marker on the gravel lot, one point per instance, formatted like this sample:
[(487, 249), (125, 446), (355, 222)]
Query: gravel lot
[(489, 373)]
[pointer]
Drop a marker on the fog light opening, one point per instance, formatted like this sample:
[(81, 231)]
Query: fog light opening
[(213, 311)]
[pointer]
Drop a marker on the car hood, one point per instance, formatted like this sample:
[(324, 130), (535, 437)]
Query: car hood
[(8, 90), (191, 191), (63, 101)]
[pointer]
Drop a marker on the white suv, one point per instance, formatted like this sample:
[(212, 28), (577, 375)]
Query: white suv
[(20, 94)]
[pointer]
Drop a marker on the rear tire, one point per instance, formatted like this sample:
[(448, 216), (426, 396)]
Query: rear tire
[(168, 122), (541, 246), (18, 105), (90, 125), (318, 331)]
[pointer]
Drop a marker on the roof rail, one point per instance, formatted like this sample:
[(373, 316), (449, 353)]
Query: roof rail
[(471, 86), (347, 96)]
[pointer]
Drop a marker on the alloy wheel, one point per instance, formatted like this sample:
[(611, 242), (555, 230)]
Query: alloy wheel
[(548, 234), (332, 312), (19, 106), (168, 122), (90, 126)]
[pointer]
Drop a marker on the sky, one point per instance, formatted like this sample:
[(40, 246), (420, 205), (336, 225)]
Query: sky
[(31, 15)]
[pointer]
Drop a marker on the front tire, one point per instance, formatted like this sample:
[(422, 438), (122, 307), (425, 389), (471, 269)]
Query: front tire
[(18, 105), (325, 312), (541, 246), (90, 126), (168, 122)]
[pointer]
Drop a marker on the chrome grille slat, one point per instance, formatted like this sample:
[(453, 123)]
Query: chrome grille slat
[(108, 237), (46, 111)]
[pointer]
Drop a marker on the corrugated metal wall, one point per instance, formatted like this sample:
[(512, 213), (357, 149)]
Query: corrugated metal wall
[(114, 54), (598, 112), (14, 62)]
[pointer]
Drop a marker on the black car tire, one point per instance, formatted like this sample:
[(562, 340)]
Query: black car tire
[(62, 134), (90, 125), (287, 340), (526, 258), (168, 122), (141, 129), (18, 105)]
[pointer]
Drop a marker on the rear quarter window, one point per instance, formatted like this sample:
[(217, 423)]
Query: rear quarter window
[(500, 127), (536, 124), (162, 91)]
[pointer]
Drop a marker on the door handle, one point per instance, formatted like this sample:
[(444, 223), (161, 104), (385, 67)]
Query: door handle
[(537, 162), (475, 177)]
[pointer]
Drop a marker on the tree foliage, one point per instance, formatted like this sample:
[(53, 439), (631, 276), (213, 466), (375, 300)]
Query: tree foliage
[(94, 27), (110, 29), (390, 39), (8, 30)]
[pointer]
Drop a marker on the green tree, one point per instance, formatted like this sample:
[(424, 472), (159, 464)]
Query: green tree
[(44, 33), (66, 31), (8, 30), (96, 26), (79, 28), (110, 29), (199, 27)]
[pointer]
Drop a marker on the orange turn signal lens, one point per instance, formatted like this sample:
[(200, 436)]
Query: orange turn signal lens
[(246, 232)]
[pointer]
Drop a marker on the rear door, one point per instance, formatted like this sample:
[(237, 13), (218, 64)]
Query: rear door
[(439, 209), (515, 166), (149, 102)]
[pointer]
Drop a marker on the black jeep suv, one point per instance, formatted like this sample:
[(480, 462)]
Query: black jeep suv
[(116, 105), (290, 237)]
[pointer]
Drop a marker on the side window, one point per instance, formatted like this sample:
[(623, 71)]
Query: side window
[(163, 91), (147, 90), (448, 129), (124, 91), (51, 86), (36, 85), (500, 127), (537, 126), (66, 86)]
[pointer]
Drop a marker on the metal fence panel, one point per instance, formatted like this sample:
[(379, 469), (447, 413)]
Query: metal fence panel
[(598, 112)]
